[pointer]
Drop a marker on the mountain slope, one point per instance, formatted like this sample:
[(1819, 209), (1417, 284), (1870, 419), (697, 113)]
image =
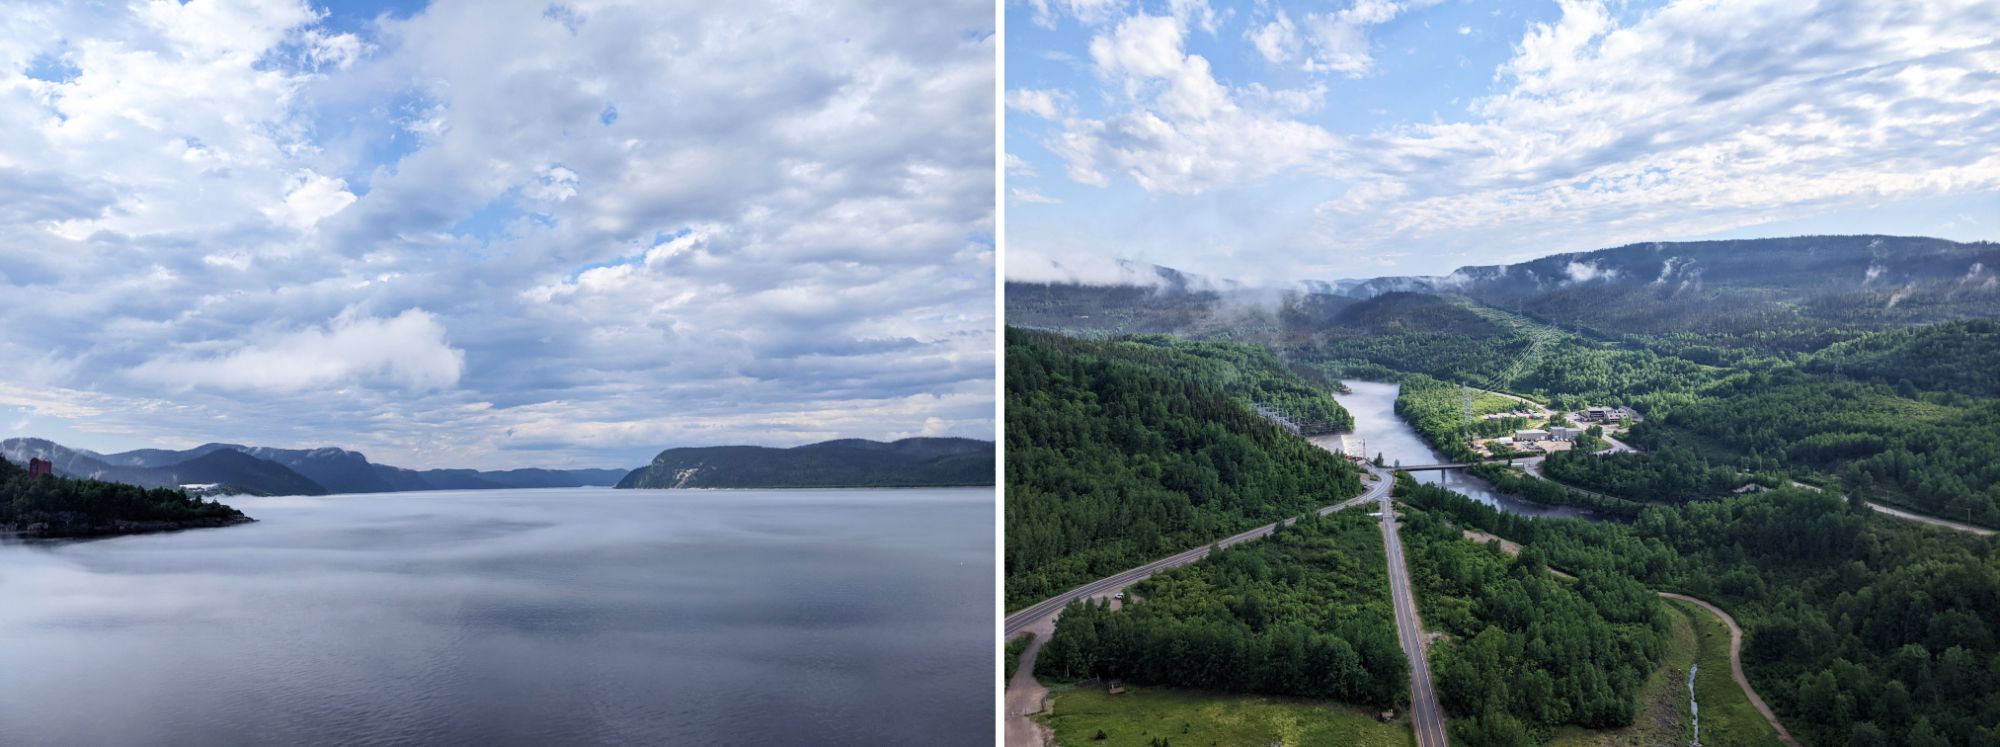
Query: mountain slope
[(911, 462), (241, 471), (1804, 289), (338, 470), (1794, 294), (1961, 356), (155, 468), (1119, 453)]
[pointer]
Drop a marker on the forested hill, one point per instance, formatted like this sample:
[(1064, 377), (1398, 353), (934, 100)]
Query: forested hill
[(1785, 295), (1962, 356), (237, 472), (261, 470), (1119, 453), (63, 507), (1792, 294), (845, 463)]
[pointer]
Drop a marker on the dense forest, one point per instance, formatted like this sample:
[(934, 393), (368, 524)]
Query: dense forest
[(1753, 362), (63, 507), (1302, 612), (1938, 452), (1527, 651), (841, 463), (1860, 629), (1514, 482), (1457, 341), (1673, 476), (1960, 356), (1252, 374), (1122, 452)]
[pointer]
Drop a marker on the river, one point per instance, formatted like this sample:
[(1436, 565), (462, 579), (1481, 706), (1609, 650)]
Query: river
[(1377, 429), (568, 616)]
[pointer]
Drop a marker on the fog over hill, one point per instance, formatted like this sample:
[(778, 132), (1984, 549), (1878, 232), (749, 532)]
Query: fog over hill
[(1709, 287)]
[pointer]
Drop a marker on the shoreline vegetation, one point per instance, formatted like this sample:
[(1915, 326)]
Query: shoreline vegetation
[(844, 463), (66, 508)]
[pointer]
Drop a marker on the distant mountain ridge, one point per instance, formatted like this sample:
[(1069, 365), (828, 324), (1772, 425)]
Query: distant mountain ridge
[(269, 471), (1810, 286), (843, 463)]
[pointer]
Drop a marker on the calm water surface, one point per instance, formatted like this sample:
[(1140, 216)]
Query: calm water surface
[(571, 616), (1377, 429)]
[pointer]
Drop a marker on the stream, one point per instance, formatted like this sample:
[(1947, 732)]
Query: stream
[(1694, 707)]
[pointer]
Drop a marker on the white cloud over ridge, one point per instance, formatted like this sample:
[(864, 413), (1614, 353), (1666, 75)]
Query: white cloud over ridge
[(1603, 124), (689, 225)]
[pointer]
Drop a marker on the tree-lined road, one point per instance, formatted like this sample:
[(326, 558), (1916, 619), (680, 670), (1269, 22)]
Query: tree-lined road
[(1046, 608), (1426, 718), (1025, 696)]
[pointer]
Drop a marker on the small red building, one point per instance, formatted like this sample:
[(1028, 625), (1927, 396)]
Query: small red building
[(39, 468)]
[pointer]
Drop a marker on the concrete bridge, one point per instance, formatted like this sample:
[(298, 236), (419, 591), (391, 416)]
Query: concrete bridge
[(1432, 467)]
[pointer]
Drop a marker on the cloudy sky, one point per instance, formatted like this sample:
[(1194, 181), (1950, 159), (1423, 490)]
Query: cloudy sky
[(495, 234), (1357, 138)]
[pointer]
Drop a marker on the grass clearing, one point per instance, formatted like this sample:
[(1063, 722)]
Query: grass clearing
[(1727, 718), (1188, 718)]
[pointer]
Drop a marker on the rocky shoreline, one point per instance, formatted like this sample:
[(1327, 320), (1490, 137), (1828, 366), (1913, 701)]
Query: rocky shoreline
[(44, 530)]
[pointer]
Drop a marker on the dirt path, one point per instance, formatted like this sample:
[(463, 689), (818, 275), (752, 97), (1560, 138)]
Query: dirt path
[(1026, 696), (1506, 545), (1736, 663)]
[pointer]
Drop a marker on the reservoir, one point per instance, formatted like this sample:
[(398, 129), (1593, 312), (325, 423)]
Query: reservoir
[(561, 616), (1377, 429)]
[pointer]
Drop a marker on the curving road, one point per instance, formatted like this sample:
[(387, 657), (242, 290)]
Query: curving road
[(1911, 516), (1931, 520), (1736, 663)]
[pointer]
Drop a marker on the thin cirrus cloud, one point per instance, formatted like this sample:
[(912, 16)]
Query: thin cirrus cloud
[(654, 225), (1378, 136)]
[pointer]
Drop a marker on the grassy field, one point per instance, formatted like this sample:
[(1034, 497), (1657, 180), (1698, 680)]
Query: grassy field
[(1185, 718), (1727, 719), (1663, 704), (1488, 402)]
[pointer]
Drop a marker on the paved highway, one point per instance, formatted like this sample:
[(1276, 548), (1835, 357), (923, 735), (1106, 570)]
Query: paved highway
[(1050, 607), (1426, 718), (1916, 517)]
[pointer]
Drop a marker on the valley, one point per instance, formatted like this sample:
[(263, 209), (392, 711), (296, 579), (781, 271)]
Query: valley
[(1809, 451)]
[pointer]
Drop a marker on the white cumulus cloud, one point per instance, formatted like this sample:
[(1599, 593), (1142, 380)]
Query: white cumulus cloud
[(407, 350)]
